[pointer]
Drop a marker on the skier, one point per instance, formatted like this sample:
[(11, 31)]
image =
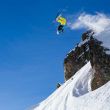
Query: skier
[(62, 22)]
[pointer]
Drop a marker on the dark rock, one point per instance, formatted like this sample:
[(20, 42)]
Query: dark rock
[(58, 85), (100, 62), (90, 49)]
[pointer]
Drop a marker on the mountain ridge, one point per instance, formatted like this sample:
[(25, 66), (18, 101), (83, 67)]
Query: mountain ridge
[(87, 84), (89, 49)]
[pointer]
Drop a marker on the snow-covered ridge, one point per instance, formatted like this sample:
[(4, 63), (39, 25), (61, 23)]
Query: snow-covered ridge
[(76, 94)]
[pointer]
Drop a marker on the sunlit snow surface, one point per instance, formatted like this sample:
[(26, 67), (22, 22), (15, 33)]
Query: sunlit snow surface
[(76, 94)]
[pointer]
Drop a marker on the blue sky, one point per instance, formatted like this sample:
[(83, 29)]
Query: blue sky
[(31, 54)]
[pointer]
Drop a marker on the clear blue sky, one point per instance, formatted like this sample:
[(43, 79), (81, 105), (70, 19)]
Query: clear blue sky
[(31, 54)]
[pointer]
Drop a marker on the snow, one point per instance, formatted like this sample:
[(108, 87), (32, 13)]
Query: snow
[(99, 23), (105, 38), (76, 94)]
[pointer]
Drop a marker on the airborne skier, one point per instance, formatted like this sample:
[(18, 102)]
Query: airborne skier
[(62, 22)]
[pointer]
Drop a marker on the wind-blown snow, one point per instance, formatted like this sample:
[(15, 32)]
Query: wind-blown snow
[(76, 94), (99, 23)]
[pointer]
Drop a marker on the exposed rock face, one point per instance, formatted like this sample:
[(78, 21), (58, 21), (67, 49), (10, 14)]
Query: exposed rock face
[(89, 49), (100, 62), (77, 58)]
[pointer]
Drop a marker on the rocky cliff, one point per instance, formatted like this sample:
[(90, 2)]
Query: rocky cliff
[(89, 49)]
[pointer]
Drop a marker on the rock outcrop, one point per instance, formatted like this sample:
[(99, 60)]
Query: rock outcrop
[(100, 62), (89, 49), (78, 57)]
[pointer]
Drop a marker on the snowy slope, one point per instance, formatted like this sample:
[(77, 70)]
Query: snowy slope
[(76, 94)]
